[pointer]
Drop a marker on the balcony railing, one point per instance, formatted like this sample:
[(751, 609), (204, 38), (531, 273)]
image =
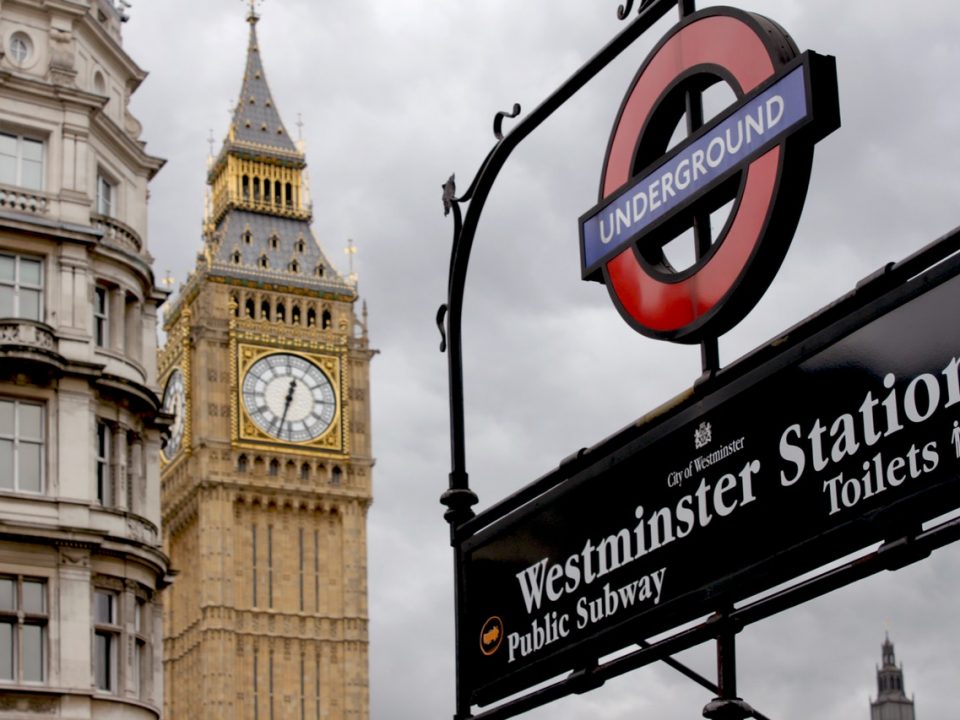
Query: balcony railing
[(22, 200), (27, 334), (117, 234)]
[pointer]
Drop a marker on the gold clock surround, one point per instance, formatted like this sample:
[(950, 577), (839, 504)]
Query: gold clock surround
[(245, 432)]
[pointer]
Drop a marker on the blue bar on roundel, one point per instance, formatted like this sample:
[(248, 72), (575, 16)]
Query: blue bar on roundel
[(699, 166)]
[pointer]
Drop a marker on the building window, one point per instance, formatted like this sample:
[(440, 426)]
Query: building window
[(336, 476), (253, 563), (106, 196), (140, 668), (270, 566), (101, 315), (21, 161), (21, 287), (106, 639), (104, 486), (21, 446), (23, 623), (21, 48)]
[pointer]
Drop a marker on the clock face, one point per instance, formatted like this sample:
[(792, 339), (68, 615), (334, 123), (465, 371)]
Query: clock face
[(288, 397), (174, 402)]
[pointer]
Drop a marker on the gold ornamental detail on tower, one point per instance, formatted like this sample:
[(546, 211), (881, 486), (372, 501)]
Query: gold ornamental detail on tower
[(290, 397)]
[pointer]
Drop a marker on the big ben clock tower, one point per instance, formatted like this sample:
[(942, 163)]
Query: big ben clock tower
[(266, 475)]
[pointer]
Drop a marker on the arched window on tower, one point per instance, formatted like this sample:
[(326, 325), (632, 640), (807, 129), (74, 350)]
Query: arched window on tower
[(336, 475), (327, 320), (274, 241), (300, 245), (242, 464), (281, 313), (311, 317), (263, 262), (294, 266), (295, 315), (264, 310), (236, 305), (247, 237), (245, 185), (267, 197), (274, 467), (256, 189), (289, 190), (251, 308), (236, 257), (277, 193), (319, 270), (305, 472)]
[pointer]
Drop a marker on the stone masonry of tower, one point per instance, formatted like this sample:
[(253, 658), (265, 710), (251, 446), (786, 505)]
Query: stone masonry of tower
[(266, 477), (892, 702)]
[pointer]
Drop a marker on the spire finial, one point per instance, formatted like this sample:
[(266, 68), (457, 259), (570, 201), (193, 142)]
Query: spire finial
[(351, 250), (252, 16)]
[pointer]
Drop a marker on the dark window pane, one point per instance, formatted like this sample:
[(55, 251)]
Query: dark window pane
[(6, 301), (6, 464), (29, 479), (6, 651), (103, 608), (33, 596), (8, 594), (32, 653), (29, 271), (31, 422), (29, 304), (7, 268), (101, 664), (6, 418)]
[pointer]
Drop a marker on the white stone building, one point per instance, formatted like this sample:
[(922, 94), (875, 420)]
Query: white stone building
[(80, 425)]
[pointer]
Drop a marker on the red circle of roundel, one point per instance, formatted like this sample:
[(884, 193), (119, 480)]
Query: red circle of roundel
[(711, 299)]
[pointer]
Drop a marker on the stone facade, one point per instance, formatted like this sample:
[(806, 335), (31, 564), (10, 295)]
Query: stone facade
[(267, 479), (81, 563)]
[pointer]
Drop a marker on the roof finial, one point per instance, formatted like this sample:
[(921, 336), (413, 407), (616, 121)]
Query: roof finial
[(252, 16), (351, 250)]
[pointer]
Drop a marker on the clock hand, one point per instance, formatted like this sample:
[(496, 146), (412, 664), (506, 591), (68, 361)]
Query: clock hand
[(286, 404)]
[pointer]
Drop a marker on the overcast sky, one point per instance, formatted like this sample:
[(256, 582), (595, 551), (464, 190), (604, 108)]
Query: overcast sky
[(394, 96)]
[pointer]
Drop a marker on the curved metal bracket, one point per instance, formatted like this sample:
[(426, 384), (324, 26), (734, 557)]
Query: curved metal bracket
[(465, 226), (627, 7), (498, 120)]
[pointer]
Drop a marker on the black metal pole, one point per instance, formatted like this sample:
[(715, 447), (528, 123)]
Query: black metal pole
[(709, 347)]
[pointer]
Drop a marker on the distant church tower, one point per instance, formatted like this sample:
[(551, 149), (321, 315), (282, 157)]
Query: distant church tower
[(891, 702), (266, 477)]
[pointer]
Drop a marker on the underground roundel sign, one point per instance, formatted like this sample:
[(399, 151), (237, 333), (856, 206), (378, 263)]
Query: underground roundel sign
[(755, 156)]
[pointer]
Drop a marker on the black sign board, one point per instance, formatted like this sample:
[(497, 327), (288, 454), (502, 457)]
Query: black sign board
[(841, 437)]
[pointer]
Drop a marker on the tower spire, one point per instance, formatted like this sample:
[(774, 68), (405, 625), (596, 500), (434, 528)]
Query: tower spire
[(257, 223), (892, 702)]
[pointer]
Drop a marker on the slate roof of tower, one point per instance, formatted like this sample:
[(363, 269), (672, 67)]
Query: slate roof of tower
[(234, 256), (256, 123)]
